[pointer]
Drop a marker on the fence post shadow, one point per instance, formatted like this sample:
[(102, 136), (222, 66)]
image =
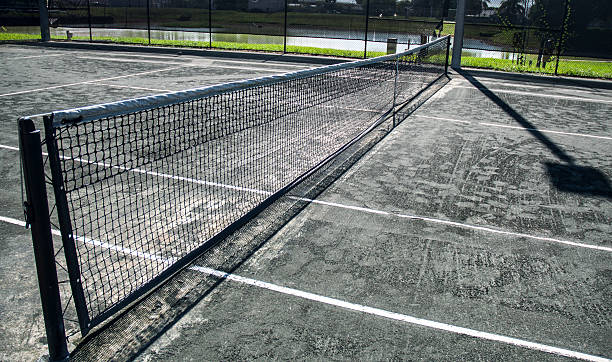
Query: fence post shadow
[(566, 176)]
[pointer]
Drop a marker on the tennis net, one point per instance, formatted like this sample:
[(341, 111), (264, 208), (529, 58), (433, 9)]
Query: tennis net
[(144, 186)]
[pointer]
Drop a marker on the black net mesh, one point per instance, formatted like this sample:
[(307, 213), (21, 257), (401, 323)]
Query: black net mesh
[(145, 189)]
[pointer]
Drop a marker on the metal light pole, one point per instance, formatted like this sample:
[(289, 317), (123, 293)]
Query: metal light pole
[(44, 20), (458, 39), (367, 18)]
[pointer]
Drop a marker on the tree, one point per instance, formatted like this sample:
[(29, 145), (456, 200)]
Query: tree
[(382, 7), (426, 8), (472, 7), (329, 5), (512, 12), (231, 5), (475, 7)]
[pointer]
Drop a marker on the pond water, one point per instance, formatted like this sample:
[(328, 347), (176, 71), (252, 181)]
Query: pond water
[(326, 39)]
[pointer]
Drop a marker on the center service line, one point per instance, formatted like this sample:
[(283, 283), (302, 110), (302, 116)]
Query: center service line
[(340, 303)]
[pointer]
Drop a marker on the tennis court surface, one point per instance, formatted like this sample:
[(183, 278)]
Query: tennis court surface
[(477, 228)]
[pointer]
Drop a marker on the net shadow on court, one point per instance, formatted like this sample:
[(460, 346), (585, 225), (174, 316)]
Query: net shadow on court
[(123, 337), (144, 186)]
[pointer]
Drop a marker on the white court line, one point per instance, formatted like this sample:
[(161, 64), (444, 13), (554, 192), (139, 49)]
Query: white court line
[(518, 127), (200, 61), (353, 109), (400, 317), (348, 207), (461, 225), (443, 119), (132, 87), (132, 60), (340, 303), (89, 81), (253, 69), (494, 84), (35, 56), (10, 147), (266, 63), (208, 64), (546, 131), (544, 95)]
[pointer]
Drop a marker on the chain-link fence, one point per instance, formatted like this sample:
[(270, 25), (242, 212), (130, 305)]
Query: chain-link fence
[(566, 37)]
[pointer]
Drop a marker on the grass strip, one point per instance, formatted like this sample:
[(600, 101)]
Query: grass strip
[(18, 36), (230, 46), (567, 67), (577, 68)]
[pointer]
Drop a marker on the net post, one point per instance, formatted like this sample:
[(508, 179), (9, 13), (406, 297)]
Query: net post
[(285, 30), (37, 215), (447, 54), (68, 238), (89, 19), (45, 35), (395, 89), (367, 23), (149, 20)]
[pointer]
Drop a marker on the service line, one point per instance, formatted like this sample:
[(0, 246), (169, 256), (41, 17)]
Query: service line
[(338, 302), (132, 87), (532, 94), (90, 81), (486, 229), (36, 56), (516, 127)]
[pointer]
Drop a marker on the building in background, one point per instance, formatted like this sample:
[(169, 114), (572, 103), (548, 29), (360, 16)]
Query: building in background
[(266, 6)]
